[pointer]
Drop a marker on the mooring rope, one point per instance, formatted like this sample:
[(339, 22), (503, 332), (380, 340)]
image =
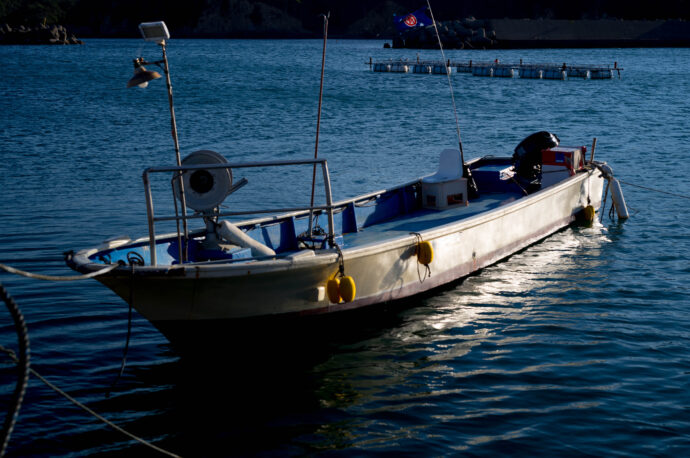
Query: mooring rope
[(23, 359), (55, 388), (23, 363), (129, 333), (340, 261), (609, 176), (655, 190), (24, 273)]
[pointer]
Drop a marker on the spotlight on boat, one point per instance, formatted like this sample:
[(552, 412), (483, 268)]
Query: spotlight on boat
[(154, 31), (142, 76)]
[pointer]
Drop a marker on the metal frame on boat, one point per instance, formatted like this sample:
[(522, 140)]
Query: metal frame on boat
[(152, 219)]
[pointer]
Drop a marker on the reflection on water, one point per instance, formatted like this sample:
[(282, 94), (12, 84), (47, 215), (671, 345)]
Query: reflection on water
[(470, 349)]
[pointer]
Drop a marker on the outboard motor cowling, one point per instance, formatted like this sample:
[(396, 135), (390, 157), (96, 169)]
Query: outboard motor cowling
[(527, 158)]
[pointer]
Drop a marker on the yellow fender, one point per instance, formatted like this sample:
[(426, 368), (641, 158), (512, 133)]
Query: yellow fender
[(348, 290), (425, 252), (333, 290), (341, 289)]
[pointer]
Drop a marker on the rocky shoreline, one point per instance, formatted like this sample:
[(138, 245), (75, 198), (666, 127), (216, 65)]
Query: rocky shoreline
[(38, 35), (467, 33)]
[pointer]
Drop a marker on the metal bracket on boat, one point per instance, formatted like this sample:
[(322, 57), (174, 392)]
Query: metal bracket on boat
[(135, 259), (316, 237)]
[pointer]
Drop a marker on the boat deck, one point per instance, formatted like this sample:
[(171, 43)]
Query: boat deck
[(424, 219)]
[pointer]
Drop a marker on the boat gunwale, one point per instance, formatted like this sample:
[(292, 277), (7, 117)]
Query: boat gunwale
[(82, 263), (472, 221)]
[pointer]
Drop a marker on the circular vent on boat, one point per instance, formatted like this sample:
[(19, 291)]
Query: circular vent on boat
[(204, 189)]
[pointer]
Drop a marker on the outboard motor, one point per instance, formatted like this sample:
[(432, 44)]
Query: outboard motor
[(527, 158)]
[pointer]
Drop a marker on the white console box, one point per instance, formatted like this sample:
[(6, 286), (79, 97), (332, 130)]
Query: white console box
[(443, 194)]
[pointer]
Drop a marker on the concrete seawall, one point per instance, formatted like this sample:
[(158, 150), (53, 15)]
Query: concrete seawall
[(471, 33), (550, 33)]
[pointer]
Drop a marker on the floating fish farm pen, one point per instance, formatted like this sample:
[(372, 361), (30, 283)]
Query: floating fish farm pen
[(531, 73), (391, 67), (483, 71), (403, 66), (548, 71), (470, 66), (601, 74), (442, 69), (554, 74), (504, 72), (421, 68), (575, 72)]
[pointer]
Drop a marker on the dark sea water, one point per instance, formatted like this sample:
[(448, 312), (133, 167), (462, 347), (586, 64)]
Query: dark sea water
[(578, 345)]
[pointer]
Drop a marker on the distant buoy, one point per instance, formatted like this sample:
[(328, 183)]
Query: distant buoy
[(348, 290), (425, 253), (333, 290)]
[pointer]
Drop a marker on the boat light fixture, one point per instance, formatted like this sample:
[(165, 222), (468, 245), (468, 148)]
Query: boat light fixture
[(142, 76), (158, 33), (154, 31)]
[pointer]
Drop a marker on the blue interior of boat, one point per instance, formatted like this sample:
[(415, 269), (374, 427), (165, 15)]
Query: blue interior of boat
[(392, 213)]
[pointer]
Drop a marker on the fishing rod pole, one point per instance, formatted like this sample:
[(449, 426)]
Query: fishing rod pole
[(471, 185), (318, 119)]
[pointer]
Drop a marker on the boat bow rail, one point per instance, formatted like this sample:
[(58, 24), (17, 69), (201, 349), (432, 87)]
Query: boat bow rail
[(183, 235)]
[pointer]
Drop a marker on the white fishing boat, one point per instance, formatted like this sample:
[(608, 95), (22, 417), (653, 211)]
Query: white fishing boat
[(378, 247)]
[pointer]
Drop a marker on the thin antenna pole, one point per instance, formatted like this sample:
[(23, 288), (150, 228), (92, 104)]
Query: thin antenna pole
[(318, 118), (450, 85), (173, 125), (471, 184)]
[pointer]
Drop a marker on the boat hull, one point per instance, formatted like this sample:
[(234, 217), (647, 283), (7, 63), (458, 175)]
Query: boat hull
[(384, 270)]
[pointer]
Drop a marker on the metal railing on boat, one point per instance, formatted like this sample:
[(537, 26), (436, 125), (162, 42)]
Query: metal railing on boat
[(152, 219)]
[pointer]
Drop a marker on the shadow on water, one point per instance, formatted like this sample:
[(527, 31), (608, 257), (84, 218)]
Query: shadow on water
[(245, 389), (283, 386)]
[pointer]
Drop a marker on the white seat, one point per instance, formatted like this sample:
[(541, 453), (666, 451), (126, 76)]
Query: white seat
[(449, 169)]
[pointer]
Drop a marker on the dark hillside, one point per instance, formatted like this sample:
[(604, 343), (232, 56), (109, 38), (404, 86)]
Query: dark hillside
[(300, 18)]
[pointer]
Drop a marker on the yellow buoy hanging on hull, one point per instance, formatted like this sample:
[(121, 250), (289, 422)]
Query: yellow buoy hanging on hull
[(425, 253), (348, 290), (588, 213), (341, 289), (333, 290)]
